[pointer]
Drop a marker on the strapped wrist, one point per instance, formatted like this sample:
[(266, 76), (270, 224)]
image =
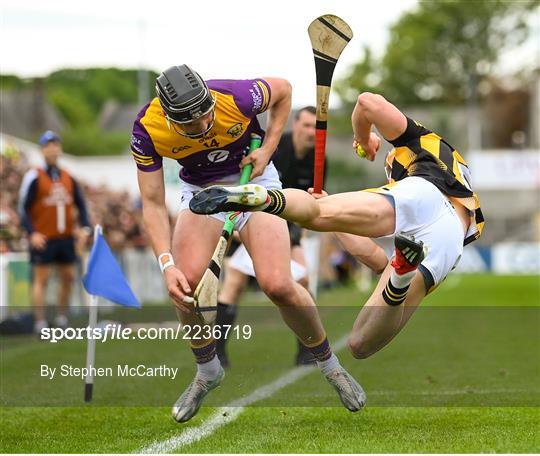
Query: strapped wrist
[(165, 260)]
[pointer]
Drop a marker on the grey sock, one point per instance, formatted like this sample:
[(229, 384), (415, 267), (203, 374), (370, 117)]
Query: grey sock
[(209, 370), (329, 364)]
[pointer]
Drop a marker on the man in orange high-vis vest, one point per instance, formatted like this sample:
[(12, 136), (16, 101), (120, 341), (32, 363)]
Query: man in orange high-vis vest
[(48, 198)]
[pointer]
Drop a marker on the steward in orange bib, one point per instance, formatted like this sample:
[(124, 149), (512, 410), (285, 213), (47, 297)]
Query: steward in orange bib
[(47, 203)]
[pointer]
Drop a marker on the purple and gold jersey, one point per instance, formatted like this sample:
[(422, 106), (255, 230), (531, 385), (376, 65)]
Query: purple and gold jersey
[(217, 155)]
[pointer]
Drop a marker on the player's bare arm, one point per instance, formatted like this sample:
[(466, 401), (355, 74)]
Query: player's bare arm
[(278, 113), (156, 220), (374, 110)]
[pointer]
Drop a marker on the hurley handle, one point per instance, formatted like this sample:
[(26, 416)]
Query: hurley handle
[(255, 143)]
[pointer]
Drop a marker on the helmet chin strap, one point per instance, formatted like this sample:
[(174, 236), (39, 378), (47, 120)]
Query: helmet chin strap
[(190, 135)]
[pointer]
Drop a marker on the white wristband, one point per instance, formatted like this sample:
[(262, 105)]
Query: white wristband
[(168, 263)]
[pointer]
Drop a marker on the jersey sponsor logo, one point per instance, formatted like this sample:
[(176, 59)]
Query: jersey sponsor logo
[(257, 96), (136, 144), (236, 130), (217, 156), (208, 136), (178, 149)]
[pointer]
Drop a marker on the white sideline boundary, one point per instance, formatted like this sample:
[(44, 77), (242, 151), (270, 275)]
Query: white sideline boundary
[(228, 413)]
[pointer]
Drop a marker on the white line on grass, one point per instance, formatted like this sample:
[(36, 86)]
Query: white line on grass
[(225, 415), (456, 392)]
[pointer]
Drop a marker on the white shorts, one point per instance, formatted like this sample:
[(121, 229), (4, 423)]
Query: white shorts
[(241, 261), (269, 179), (423, 211)]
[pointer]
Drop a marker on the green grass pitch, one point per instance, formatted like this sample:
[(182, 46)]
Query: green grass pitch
[(463, 376)]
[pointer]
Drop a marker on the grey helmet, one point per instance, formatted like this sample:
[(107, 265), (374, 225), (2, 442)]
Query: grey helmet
[(183, 94)]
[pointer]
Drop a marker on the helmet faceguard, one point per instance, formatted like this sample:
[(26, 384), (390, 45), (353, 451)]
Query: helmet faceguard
[(184, 97), (178, 127)]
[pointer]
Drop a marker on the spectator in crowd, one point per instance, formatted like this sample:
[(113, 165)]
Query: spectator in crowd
[(48, 198)]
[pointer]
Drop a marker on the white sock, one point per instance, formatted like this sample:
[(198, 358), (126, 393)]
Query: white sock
[(209, 370), (328, 365), (403, 280)]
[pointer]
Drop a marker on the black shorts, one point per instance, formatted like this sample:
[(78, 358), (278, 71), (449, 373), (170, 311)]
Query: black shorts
[(60, 251)]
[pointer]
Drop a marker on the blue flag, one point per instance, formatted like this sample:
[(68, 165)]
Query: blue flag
[(105, 278)]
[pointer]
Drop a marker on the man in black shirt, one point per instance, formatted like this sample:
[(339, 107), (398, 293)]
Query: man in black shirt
[(294, 160), (296, 152)]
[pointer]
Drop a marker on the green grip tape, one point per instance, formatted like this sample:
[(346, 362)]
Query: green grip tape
[(255, 143)]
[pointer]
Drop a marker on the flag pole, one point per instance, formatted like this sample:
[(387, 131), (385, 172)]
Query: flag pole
[(91, 342), (90, 349)]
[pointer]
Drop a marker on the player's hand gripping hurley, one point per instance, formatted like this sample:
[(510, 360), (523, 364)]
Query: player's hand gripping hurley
[(206, 293), (329, 35)]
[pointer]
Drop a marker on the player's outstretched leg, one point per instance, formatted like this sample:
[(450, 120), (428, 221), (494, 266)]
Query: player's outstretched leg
[(209, 376), (362, 213)]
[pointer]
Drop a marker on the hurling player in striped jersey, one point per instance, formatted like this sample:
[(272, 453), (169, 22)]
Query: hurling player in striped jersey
[(412, 230)]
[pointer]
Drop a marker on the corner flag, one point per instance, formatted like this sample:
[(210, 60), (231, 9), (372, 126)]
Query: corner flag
[(105, 278)]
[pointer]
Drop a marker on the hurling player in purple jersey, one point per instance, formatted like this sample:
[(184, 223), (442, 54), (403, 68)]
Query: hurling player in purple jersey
[(206, 126)]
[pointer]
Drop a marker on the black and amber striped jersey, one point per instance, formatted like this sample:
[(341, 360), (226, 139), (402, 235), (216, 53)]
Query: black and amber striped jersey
[(422, 153)]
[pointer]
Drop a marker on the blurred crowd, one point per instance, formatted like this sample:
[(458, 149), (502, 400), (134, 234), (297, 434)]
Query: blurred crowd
[(12, 169), (118, 213)]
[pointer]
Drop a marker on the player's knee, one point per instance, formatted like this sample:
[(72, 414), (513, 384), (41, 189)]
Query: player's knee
[(192, 278), (370, 101), (359, 348), (277, 287)]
